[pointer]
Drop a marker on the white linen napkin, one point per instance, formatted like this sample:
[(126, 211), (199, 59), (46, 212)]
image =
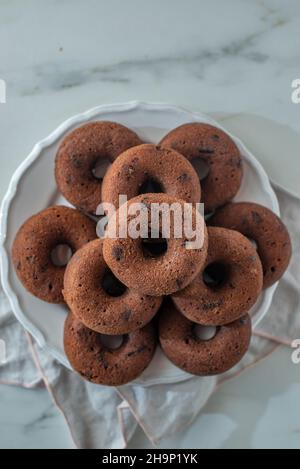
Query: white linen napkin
[(103, 417)]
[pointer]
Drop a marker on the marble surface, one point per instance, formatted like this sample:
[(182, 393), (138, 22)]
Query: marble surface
[(61, 57)]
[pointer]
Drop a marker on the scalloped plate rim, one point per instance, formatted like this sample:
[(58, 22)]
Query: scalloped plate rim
[(48, 141)]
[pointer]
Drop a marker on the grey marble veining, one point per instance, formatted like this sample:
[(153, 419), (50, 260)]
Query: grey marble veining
[(28, 419), (232, 55)]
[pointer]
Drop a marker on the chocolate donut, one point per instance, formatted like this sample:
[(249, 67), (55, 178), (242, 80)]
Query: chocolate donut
[(133, 261), (35, 241), (221, 155), (99, 364), (114, 310), (142, 168), (182, 346), (228, 284), (78, 154), (265, 228)]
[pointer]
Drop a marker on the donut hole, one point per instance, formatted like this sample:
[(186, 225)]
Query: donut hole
[(215, 274), (112, 342), (204, 333), (151, 185), (61, 254), (111, 285), (100, 167), (201, 167), (154, 246)]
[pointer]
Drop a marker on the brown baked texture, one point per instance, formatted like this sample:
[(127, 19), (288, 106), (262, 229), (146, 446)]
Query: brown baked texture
[(34, 242), (265, 228), (77, 155), (234, 258), (202, 357), (220, 153), (161, 275), (102, 365), (165, 167), (93, 305)]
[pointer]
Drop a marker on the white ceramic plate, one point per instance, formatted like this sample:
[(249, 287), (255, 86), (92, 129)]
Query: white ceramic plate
[(33, 187)]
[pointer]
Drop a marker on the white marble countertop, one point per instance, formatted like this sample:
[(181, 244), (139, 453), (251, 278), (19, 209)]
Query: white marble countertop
[(61, 57)]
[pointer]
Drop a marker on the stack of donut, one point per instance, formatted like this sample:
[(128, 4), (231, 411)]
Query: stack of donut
[(126, 294)]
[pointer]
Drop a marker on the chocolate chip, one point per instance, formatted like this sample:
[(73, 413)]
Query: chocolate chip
[(76, 161), (103, 360), (126, 314), (212, 305), (118, 253), (140, 349), (30, 258), (256, 217)]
